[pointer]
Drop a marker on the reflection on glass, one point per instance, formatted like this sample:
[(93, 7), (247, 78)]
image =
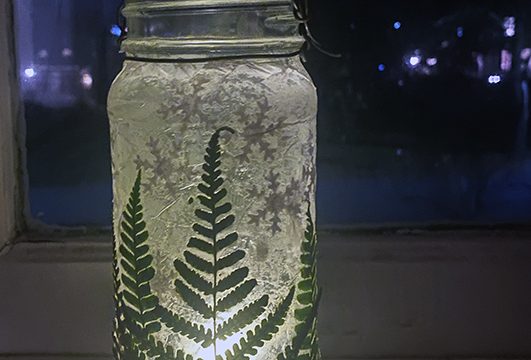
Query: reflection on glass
[(424, 118), (68, 56)]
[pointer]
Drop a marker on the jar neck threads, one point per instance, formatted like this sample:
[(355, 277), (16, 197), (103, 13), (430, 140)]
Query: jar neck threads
[(203, 29)]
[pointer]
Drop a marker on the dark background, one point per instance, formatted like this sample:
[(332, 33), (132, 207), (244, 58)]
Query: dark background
[(403, 138)]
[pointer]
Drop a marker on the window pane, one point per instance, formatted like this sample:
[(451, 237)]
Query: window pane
[(424, 118), (68, 58)]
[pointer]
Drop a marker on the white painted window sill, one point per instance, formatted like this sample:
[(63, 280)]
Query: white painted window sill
[(387, 295)]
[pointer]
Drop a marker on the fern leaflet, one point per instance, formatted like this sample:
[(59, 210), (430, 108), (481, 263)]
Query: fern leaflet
[(305, 345), (242, 318), (261, 333), (180, 325), (136, 265)]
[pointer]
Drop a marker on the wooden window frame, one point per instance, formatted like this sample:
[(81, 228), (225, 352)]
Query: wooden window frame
[(63, 318), (51, 244), (11, 192)]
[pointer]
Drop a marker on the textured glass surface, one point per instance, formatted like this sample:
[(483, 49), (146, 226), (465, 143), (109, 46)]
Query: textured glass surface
[(163, 117)]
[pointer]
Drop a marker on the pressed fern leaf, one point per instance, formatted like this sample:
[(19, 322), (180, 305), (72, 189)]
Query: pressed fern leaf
[(130, 351), (242, 318), (137, 308), (133, 304), (147, 344), (210, 282), (193, 299), (305, 345), (310, 294), (305, 339), (236, 296), (263, 332), (136, 266), (192, 331), (136, 342), (117, 328), (124, 347), (156, 349)]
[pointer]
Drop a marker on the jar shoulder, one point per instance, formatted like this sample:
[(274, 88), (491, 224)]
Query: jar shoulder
[(215, 92), (195, 78)]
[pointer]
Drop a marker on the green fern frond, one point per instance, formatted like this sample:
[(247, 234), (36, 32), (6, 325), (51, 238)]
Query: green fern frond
[(130, 348), (117, 326), (193, 278), (192, 331), (230, 260), (242, 318), (137, 308), (203, 273), (201, 245), (310, 294), (124, 348), (305, 343), (227, 241), (315, 351), (236, 296), (194, 300), (263, 332), (131, 351), (199, 263), (305, 338), (208, 270), (136, 266), (232, 280), (157, 350), (146, 342)]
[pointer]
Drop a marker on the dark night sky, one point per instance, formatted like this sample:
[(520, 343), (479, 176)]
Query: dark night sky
[(446, 111), (397, 142)]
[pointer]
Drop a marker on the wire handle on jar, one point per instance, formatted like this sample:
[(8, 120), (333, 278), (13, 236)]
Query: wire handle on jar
[(301, 13), (122, 24)]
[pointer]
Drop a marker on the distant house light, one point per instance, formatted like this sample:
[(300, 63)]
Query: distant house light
[(494, 79), (414, 60), (397, 25), (431, 61), (509, 24), (116, 30), (506, 62), (525, 54), (42, 54), (30, 72), (87, 81), (67, 52)]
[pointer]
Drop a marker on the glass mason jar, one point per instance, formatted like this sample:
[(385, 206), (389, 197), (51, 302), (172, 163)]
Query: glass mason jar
[(213, 152)]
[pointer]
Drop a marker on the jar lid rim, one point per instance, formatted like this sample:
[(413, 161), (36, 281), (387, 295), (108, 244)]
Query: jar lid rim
[(135, 6), (171, 49)]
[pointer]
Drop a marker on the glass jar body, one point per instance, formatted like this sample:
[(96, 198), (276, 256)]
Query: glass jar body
[(214, 180)]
